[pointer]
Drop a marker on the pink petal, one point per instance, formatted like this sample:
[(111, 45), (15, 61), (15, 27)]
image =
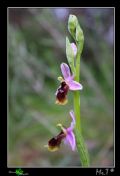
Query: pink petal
[(74, 85), (74, 48), (73, 119), (65, 70), (70, 140), (69, 79)]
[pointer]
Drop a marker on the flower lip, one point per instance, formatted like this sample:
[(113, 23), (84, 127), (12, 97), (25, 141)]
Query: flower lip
[(54, 143), (61, 93)]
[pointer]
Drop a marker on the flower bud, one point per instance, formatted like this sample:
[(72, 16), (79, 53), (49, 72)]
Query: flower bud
[(72, 23), (69, 51), (79, 34), (74, 48)]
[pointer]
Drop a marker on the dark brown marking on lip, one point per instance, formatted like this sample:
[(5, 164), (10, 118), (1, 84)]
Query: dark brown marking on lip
[(62, 92), (56, 141)]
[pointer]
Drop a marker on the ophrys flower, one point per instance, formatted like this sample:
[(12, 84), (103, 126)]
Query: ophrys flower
[(67, 83), (66, 134)]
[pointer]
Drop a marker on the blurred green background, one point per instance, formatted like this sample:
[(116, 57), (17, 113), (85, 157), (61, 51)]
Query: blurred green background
[(36, 48)]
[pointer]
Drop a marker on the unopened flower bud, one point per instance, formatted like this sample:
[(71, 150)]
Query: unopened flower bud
[(79, 34), (74, 48), (72, 23)]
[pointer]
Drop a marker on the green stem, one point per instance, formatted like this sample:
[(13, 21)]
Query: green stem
[(77, 109), (78, 133), (77, 93)]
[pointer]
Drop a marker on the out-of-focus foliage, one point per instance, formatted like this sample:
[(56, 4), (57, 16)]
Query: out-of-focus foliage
[(36, 48)]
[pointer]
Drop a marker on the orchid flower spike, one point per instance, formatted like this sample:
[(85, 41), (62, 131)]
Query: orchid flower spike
[(67, 83), (66, 134)]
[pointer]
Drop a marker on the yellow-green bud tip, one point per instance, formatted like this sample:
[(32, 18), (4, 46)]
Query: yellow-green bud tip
[(72, 19), (72, 23), (62, 128), (59, 125), (60, 79)]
